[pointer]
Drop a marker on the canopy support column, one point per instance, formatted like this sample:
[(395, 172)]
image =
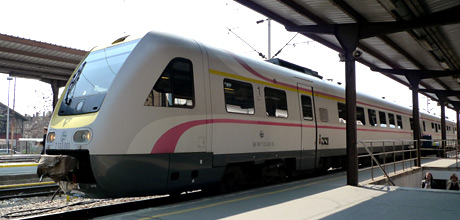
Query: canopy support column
[(415, 81), (55, 89), (348, 38)]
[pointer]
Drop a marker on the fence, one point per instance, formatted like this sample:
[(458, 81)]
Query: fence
[(384, 153)]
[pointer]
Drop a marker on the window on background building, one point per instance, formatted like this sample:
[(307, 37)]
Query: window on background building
[(239, 97)]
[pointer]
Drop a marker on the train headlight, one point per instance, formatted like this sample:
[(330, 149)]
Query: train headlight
[(51, 137), (82, 136)]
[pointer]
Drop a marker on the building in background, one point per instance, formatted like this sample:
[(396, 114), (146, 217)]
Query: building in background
[(16, 129)]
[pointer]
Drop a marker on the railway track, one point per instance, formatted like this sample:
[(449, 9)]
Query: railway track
[(27, 190), (95, 207)]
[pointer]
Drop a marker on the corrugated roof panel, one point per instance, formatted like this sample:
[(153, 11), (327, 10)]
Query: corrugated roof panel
[(371, 10), (285, 12), (449, 81), (412, 47), (382, 48), (433, 84), (439, 5), (452, 34), (326, 10)]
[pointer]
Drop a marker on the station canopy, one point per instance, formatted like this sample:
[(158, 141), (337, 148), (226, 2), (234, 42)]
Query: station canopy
[(402, 39), (47, 62)]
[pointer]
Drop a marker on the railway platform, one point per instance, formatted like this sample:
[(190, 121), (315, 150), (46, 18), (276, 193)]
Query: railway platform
[(19, 170), (325, 197)]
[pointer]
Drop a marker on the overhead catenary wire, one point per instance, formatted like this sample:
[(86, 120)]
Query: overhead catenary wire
[(279, 51), (259, 53)]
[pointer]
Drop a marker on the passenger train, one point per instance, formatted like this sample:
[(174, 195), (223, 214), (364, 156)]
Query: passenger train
[(164, 114)]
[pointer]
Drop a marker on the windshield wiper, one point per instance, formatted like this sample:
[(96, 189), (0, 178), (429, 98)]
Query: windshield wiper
[(76, 77)]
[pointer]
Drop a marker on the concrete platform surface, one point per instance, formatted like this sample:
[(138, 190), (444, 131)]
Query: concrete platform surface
[(325, 197)]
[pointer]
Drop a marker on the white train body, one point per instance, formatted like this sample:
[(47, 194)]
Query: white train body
[(163, 113)]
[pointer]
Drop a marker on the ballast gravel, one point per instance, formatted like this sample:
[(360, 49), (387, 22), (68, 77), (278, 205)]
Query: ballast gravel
[(33, 206)]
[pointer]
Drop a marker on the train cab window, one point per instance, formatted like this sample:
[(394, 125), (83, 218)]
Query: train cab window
[(391, 120), (399, 120), (323, 115), (383, 119), (432, 126), (307, 108), (275, 103), (360, 117), (372, 117), (239, 97), (174, 87)]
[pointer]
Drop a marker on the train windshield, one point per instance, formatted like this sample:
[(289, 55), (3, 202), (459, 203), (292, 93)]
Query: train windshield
[(93, 78)]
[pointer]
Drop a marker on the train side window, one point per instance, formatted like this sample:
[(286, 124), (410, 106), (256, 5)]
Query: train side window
[(360, 117), (341, 107), (175, 87), (411, 122), (323, 115), (372, 117), (307, 108), (436, 128), (432, 126), (399, 120), (391, 120), (275, 103), (383, 119), (424, 128), (239, 97)]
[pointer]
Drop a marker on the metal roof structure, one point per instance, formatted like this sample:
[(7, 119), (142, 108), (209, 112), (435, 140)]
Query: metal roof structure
[(399, 38), (46, 62), (414, 42), (25, 58)]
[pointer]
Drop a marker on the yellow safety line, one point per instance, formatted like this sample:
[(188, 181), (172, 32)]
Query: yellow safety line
[(239, 199), (18, 165), (26, 184), (246, 79)]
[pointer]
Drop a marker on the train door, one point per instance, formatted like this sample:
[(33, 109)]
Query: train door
[(308, 126)]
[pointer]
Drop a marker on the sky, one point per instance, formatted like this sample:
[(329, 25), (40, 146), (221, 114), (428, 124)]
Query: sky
[(85, 24)]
